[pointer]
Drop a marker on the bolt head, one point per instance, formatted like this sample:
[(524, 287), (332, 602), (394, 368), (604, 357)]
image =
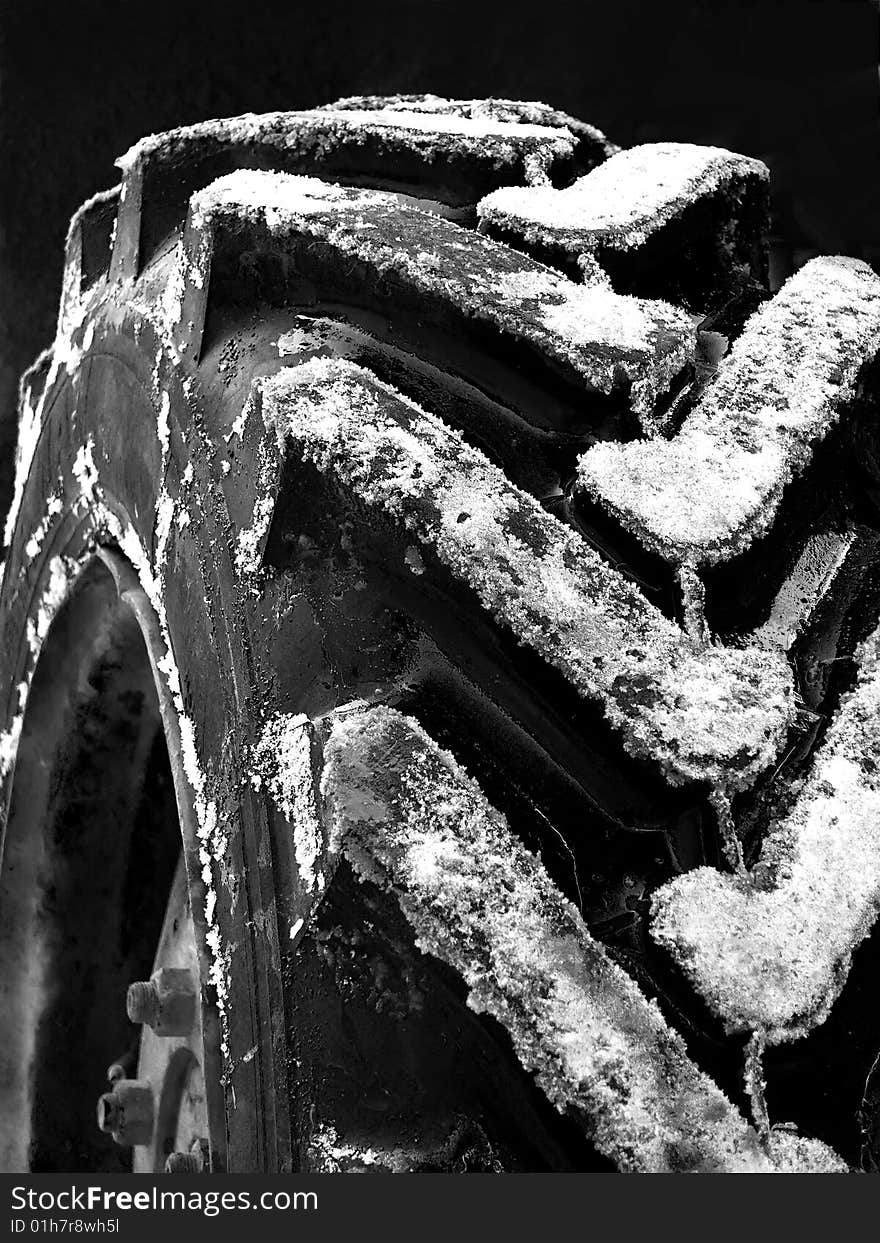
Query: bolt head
[(167, 1002), (126, 1113), (108, 1112)]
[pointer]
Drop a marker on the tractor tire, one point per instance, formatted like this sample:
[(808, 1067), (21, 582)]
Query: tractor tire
[(419, 629)]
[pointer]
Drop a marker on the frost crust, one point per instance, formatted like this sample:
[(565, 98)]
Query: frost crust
[(529, 112), (488, 138), (701, 712), (283, 764), (770, 950), (705, 495), (609, 340), (621, 203), (411, 820)]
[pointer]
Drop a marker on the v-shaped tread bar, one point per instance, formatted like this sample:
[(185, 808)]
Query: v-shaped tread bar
[(702, 713), (769, 950), (454, 154), (635, 196), (705, 495), (410, 820), (600, 340)]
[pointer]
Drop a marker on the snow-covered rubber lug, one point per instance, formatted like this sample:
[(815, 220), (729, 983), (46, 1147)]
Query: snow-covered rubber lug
[(411, 821), (709, 714), (667, 220), (804, 368), (298, 518), (307, 242), (770, 951), (595, 146), (450, 157)]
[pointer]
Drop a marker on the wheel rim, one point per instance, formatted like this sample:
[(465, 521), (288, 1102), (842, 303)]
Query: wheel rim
[(92, 851)]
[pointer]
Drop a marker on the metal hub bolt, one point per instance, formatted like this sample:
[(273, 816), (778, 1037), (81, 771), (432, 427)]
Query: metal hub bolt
[(166, 1002), (192, 1162), (142, 1002), (126, 1113)]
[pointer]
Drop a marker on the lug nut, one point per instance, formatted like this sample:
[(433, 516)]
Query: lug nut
[(195, 1161), (126, 1113), (166, 1002), (184, 1163)]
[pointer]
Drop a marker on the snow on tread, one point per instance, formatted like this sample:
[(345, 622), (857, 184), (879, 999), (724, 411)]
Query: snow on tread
[(705, 495), (607, 340), (715, 714), (622, 202), (800, 595), (768, 950), (409, 819), (771, 950), (515, 111), (528, 146)]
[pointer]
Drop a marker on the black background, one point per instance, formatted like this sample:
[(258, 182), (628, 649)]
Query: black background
[(792, 82)]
